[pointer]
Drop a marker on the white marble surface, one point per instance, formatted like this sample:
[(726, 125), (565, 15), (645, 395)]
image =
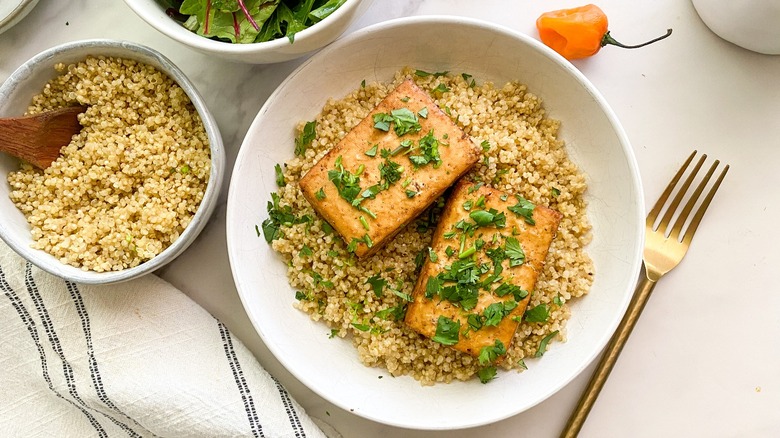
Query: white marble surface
[(704, 358)]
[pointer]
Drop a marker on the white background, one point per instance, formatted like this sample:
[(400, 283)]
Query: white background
[(705, 357)]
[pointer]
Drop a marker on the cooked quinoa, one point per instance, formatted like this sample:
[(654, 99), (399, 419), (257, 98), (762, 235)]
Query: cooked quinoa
[(129, 183), (521, 155)]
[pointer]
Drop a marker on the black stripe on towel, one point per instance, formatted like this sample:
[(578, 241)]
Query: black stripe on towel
[(27, 320), (67, 369), (238, 375), (94, 371), (295, 422)]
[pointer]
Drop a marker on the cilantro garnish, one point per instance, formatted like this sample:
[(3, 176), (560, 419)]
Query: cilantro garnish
[(320, 194), (424, 74), (279, 175), (514, 251), (496, 312), (279, 215), (301, 296), (333, 333), (396, 313), (490, 353), (524, 208), (432, 255), (485, 145), (303, 141), (447, 331), (305, 251), (411, 193), (468, 79), (486, 218), (377, 284), (538, 313), (487, 374), (372, 152), (404, 121), (543, 344), (507, 288), (390, 172), (441, 88), (423, 113), (429, 151), (555, 192), (347, 184)]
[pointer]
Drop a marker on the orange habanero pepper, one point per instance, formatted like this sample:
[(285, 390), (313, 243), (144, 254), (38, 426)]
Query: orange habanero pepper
[(579, 32)]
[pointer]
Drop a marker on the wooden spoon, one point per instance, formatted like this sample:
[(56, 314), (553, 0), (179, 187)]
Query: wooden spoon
[(38, 138)]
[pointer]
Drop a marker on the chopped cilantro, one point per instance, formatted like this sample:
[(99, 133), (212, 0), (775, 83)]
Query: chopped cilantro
[(279, 175), (522, 364), (390, 172), (514, 251), (326, 228), (423, 113), (504, 197), (404, 121), (524, 208), (320, 194), (372, 152), (543, 344), (558, 301), (449, 251), (333, 333), (364, 222), (404, 296), (361, 327), (507, 288), (396, 313), (447, 331), (538, 313), (475, 321), (487, 374), (490, 217), (432, 287), (474, 188), (305, 251), (185, 169), (279, 215), (441, 88), (490, 353), (468, 204), (377, 284), (555, 192), (496, 312), (300, 296), (429, 151), (347, 184), (468, 79), (303, 141), (411, 193), (485, 145), (363, 83), (432, 255), (425, 74)]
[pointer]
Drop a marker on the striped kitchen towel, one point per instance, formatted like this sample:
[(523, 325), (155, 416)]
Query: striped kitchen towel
[(136, 359)]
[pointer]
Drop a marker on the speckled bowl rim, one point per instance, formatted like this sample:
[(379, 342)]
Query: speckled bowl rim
[(149, 56)]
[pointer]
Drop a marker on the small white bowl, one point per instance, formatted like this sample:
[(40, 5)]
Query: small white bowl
[(307, 41), (595, 141), (15, 95)]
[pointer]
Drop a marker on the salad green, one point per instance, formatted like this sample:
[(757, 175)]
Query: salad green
[(249, 21)]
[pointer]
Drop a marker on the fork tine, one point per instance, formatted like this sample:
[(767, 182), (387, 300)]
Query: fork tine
[(680, 222), (703, 208), (653, 215), (664, 224)]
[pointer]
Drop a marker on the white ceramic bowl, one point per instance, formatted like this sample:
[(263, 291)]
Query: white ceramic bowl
[(15, 95), (12, 12), (279, 50), (595, 141)]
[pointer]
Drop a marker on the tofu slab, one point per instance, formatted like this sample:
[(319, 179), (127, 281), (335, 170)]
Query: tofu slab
[(423, 313), (403, 200)]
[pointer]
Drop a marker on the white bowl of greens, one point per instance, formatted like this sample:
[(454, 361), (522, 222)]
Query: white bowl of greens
[(253, 31)]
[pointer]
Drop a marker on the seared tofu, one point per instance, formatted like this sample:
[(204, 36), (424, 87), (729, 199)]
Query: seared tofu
[(388, 169), (486, 253)]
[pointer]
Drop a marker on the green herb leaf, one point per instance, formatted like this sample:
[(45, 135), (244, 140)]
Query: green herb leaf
[(300, 296), (543, 344), (279, 175), (485, 145), (405, 121), (524, 208), (396, 313), (305, 251), (487, 374), (424, 74), (558, 301), (377, 284), (447, 331), (441, 88), (538, 313), (429, 151), (555, 192), (307, 136), (490, 353), (320, 194), (514, 251), (423, 113), (372, 152)]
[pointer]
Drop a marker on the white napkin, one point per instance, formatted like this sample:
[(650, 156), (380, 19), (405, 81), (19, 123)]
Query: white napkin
[(133, 359)]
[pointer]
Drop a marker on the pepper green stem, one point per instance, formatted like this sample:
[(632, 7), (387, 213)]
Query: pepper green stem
[(608, 40)]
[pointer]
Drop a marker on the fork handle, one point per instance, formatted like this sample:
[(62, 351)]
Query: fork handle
[(608, 359)]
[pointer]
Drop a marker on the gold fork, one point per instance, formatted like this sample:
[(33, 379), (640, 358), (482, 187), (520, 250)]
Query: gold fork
[(664, 249)]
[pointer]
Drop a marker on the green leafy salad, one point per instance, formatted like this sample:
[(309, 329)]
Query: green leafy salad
[(249, 21)]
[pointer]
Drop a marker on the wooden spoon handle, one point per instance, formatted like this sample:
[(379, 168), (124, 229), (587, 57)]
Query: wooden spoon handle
[(38, 139)]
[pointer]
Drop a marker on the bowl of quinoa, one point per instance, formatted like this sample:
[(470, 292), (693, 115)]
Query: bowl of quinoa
[(332, 318), (134, 187)]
